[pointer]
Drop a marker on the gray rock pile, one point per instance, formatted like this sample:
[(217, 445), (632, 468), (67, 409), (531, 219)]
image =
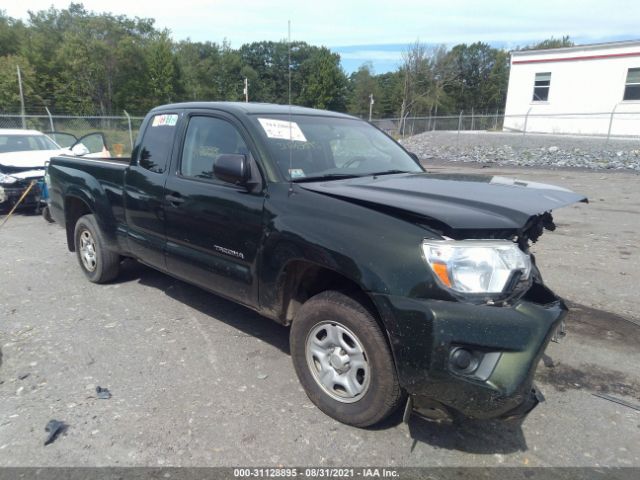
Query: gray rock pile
[(531, 150)]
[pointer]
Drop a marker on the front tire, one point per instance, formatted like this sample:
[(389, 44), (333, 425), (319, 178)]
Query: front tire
[(46, 214), (98, 263), (343, 361)]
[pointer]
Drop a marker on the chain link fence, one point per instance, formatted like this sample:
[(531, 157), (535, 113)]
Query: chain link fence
[(603, 125), (121, 131), (614, 135)]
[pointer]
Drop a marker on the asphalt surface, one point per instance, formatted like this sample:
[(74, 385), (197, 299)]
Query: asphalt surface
[(199, 381)]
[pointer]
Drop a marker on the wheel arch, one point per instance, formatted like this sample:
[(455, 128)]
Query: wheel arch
[(301, 280), (74, 207)]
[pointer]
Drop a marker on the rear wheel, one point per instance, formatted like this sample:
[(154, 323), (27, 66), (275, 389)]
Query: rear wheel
[(97, 262), (343, 360)]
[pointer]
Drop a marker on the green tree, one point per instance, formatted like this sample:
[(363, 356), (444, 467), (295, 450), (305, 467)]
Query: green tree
[(9, 89), (11, 35), (162, 69), (552, 42), (426, 72), (323, 83), (267, 60), (363, 83), (390, 85), (46, 29), (199, 65), (481, 74), (229, 81)]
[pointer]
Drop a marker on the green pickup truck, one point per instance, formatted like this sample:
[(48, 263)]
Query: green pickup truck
[(401, 287)]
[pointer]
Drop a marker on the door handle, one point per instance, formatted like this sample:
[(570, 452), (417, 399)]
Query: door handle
[(175, 199)]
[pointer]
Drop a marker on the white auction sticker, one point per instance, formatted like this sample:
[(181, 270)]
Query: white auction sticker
[(282, 129), (164, 120), (296, 173)]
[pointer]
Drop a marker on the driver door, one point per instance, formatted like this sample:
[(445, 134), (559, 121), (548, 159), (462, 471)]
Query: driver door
[(214, 228)]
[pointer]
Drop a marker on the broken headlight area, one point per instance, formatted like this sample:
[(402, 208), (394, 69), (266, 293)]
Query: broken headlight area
[(7, 179), (484, 271), (11, 192)]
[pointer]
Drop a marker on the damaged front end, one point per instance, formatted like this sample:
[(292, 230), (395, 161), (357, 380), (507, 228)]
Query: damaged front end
[(464, 359), (520, 280), (14, 182), (467, 335), (487, 344)]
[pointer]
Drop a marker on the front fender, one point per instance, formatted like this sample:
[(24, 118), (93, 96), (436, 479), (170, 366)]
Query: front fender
[(378, 252)]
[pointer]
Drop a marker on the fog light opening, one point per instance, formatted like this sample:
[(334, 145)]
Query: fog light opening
[(462, 360)]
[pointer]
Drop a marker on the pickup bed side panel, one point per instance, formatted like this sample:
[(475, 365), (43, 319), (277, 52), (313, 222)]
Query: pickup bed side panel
[(98, 184)]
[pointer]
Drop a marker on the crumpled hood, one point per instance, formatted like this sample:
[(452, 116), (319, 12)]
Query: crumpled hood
[(459, 201), (35, 173), (28, 158)]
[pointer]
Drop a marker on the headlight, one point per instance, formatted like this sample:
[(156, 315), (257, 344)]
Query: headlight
[(476, 266), (7, 178)]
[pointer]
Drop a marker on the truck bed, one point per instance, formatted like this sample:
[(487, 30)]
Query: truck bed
[(70, 176)]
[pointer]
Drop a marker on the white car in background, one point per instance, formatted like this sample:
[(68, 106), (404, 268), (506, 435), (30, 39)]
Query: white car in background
[(23, 158), (23, 154)]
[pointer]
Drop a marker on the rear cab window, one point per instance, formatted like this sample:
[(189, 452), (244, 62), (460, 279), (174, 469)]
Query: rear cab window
[(157, 142)]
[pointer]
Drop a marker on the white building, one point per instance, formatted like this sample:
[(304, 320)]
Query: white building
[(575, 90)]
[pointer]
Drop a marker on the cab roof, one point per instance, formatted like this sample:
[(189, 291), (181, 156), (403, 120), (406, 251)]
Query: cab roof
[(243, 108)]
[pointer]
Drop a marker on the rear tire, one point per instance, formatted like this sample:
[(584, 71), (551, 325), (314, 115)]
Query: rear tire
[(98, 263), (343, 360)]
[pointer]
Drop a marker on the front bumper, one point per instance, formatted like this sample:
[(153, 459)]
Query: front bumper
[(10, 194), (509, 342)]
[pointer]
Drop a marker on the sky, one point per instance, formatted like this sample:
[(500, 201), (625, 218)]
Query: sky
[(374, 31)]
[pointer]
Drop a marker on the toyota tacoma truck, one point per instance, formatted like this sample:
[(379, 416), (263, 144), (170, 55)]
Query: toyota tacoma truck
[(401, 287)]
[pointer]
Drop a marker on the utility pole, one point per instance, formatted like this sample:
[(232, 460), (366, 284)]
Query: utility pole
[(437, 78), (24, 123), (246, 89), (371, 102)]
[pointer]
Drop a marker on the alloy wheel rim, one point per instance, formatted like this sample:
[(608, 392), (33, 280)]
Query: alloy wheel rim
[(338, 362), (88, 251)]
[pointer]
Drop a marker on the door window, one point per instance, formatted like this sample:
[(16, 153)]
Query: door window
[(207, 138)]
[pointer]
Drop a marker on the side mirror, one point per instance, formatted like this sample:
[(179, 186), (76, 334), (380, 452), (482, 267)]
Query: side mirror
[(79, 150), (232, 168)]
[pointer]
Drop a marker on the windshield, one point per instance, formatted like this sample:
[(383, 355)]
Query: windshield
[(324, 147), (21, 143)]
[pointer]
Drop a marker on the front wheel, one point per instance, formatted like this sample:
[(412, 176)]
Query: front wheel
[(343, 361), (46, 214), (98, 263)]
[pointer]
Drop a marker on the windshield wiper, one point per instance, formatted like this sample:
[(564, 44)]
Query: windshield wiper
[(385, 172), (340, 176), (328, 176)]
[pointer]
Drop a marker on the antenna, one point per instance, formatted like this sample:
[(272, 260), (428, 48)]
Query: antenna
[(290, 126)]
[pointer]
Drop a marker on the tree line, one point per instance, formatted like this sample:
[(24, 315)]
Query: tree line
[(80, 62)]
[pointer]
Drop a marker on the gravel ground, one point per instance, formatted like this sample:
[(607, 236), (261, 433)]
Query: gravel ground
[(531, 150), (199, 381)]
